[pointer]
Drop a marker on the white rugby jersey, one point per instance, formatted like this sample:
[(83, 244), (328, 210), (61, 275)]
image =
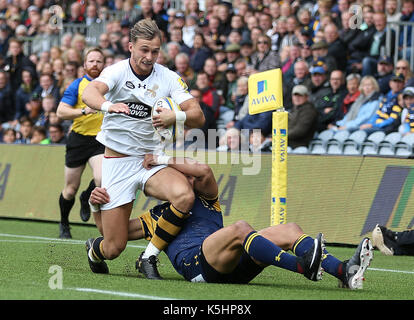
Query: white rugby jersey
[(133, 134)]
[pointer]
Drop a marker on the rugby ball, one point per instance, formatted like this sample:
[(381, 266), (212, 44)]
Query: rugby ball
[(172, 132)]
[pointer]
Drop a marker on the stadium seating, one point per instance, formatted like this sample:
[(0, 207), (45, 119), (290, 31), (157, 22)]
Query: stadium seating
[(300, 150), (370, 145), (387, 146), (335, 144), (318, 144), (352, 145), (404, 147)]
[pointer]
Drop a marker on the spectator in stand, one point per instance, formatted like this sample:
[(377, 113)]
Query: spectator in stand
[(47, 87), (290, 37), (182, 64), (176, 35), (5, 36), (9, 136), (306, 51), (173, 48), (16, 62), (264, 58), (34, 106), (385, 68), (320, 83), (246, 51), (363, 108), (352, 86), (193, 8), (377, 44), (209, 94), (265, 23), (346, 33), (7, 107), (200, 53), (336, 48), (56, 134), (189, 30), (407, 115), (24, 93), (302, 119), (403, 66), (407, 16), (288, 65), (237, 23), (76, 15), (301, 76), (359, 47), (232, 140), (329, 103), (392, 12), (48, 106), (387, 118), (234, 37), (147, 11), (39, 136), (24, 134), (320, 50), (224, 15), (104, 43), (227, 103), (212, 36), (217, 79)]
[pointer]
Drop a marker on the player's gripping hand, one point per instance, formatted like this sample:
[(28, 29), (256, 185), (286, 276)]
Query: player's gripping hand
[(164, 118), (118, 108), (150, 160), (99, 196)]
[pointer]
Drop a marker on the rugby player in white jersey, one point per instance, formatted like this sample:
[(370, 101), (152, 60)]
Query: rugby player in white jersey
[(126, 91)]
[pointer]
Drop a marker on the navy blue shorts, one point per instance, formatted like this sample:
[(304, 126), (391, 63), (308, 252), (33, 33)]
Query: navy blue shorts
[(195, 268)]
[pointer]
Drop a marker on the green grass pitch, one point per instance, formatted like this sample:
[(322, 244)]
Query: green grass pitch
[(33, 259)]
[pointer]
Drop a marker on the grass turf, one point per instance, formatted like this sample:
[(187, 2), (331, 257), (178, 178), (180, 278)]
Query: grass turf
[(29, 250)]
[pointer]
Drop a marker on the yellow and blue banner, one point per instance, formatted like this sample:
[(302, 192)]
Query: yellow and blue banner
[(265, 91)]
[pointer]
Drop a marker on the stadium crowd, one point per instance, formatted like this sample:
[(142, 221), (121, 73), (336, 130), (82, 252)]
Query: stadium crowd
[(335, 72)]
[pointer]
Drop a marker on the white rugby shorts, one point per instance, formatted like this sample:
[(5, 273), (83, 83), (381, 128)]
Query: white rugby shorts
[(122, 177)]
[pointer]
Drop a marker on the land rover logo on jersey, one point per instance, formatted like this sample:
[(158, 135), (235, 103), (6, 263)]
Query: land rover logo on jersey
[(130, 85), (139, 110)]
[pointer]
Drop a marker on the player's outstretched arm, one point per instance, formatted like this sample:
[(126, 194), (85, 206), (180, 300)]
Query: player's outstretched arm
[(204, 180)]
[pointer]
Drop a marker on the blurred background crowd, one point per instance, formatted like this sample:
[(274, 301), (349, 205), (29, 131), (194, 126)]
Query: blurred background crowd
[(346, 65)]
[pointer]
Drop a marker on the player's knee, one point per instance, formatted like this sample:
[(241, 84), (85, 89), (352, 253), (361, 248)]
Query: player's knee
[(183, 198), (112, 250), (70, 191), (241, 229)]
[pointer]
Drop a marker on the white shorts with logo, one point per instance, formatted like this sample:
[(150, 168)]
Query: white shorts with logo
[(122, 177)]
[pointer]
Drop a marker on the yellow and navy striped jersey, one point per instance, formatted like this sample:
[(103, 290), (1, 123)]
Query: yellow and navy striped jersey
[(206, 210), (87, 125), (388, 112)]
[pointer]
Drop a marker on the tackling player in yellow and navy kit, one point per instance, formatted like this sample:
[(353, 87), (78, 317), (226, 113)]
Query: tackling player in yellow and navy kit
[(206, 251), (185, 251), (82, 146)]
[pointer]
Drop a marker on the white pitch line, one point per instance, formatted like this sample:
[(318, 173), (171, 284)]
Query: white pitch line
[(121, 294), (70, 241), (390, 270), (52, 240)]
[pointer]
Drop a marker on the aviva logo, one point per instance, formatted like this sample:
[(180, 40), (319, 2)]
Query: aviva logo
[(261, 86), (265, 91)]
